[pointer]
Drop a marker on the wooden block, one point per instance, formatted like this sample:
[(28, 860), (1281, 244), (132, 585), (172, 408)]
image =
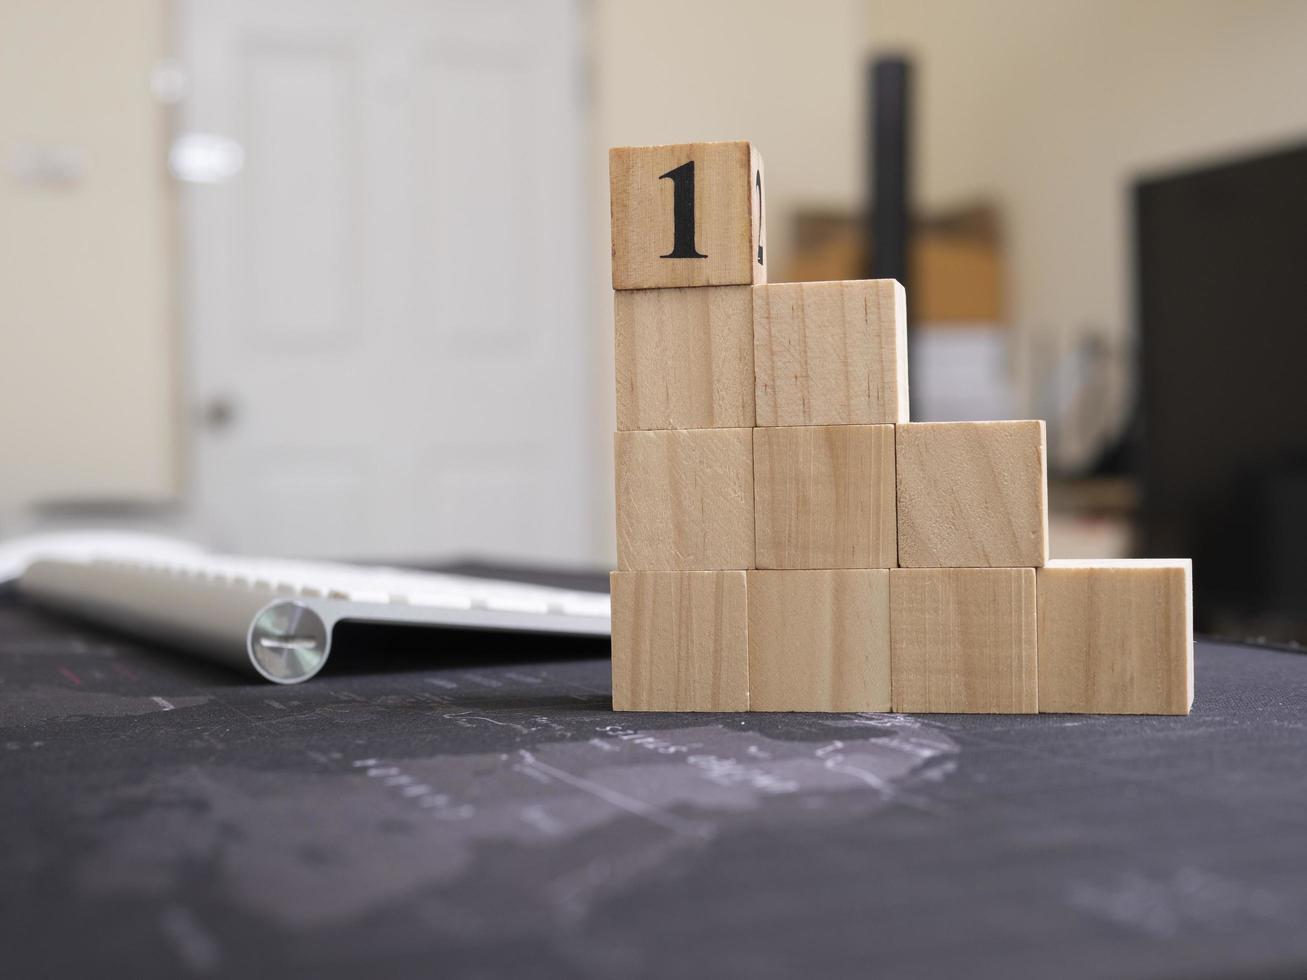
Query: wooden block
[(1116, 637), (684, 357), (819, 640), (963, 640), (680, 641), (824, 496), (685, 499), (831, 353), (972, 494), (687, 215)]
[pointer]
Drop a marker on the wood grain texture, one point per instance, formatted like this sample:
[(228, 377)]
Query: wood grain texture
[(728, 213), (819, 640), (972, 494), (964, 640), (680, 641), (824, 496), (685, 499), (831, 353), (1116, 637), (684, 357)]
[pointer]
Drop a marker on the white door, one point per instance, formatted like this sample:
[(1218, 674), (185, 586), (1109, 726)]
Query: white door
[(386, 302)]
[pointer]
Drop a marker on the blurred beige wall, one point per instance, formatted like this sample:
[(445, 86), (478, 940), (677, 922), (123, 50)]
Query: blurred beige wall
[(87, 375), (1053, 107), (785, 75)]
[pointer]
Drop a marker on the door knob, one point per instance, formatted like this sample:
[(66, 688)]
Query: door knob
[(218, 413)]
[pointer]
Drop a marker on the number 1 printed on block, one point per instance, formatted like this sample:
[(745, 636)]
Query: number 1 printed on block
[(682, 179), (704, 200)]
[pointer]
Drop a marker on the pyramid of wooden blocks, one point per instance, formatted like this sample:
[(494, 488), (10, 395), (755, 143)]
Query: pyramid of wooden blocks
[(788, 540)]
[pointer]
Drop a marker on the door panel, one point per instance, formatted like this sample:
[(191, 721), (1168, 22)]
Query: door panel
[(301, 191), (388, 298), (321, 495), (472, 220)]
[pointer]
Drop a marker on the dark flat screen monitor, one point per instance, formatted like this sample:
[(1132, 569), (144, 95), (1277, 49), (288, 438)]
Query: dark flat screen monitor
[(1221, 289)]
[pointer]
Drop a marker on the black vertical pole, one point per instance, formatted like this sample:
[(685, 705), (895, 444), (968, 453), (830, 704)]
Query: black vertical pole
[(889, 173)]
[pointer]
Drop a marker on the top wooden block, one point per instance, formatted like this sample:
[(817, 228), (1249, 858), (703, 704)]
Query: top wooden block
[(831, 353), (689, 214)]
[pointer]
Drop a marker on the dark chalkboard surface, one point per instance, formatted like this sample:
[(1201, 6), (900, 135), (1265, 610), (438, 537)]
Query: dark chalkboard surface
[(437, 807)]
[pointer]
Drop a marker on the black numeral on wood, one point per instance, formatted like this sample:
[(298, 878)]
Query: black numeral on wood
[(757, 178), (682, 179)]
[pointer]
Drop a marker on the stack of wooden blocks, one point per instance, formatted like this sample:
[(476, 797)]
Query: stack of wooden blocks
[(789, 541)]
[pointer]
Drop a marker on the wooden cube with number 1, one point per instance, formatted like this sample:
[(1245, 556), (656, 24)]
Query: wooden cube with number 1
[(689, 214)]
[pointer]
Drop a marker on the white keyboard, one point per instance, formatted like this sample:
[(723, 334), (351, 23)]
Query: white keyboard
[(274, 618)]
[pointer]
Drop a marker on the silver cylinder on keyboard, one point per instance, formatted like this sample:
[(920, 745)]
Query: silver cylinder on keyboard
[(273, 618), (288, 642), (280, 640)]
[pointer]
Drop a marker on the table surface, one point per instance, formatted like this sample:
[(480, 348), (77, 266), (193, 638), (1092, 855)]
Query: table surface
[(464, 807)]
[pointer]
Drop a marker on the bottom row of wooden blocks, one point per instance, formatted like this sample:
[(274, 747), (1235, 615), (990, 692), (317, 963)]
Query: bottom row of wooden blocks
[(1103, 637)]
